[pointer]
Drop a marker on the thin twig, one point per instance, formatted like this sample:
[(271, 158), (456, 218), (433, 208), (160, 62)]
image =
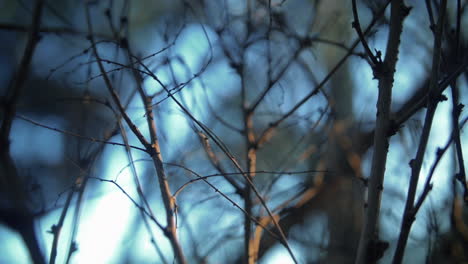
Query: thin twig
[(267, 133), (73, 134), (204, 178), (357, 26), (428, 184), (416, 164)]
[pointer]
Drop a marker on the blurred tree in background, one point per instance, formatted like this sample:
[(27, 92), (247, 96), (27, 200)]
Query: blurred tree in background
[(270, 131)]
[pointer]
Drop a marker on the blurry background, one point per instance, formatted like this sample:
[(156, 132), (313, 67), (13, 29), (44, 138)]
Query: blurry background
[(221, 59)]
